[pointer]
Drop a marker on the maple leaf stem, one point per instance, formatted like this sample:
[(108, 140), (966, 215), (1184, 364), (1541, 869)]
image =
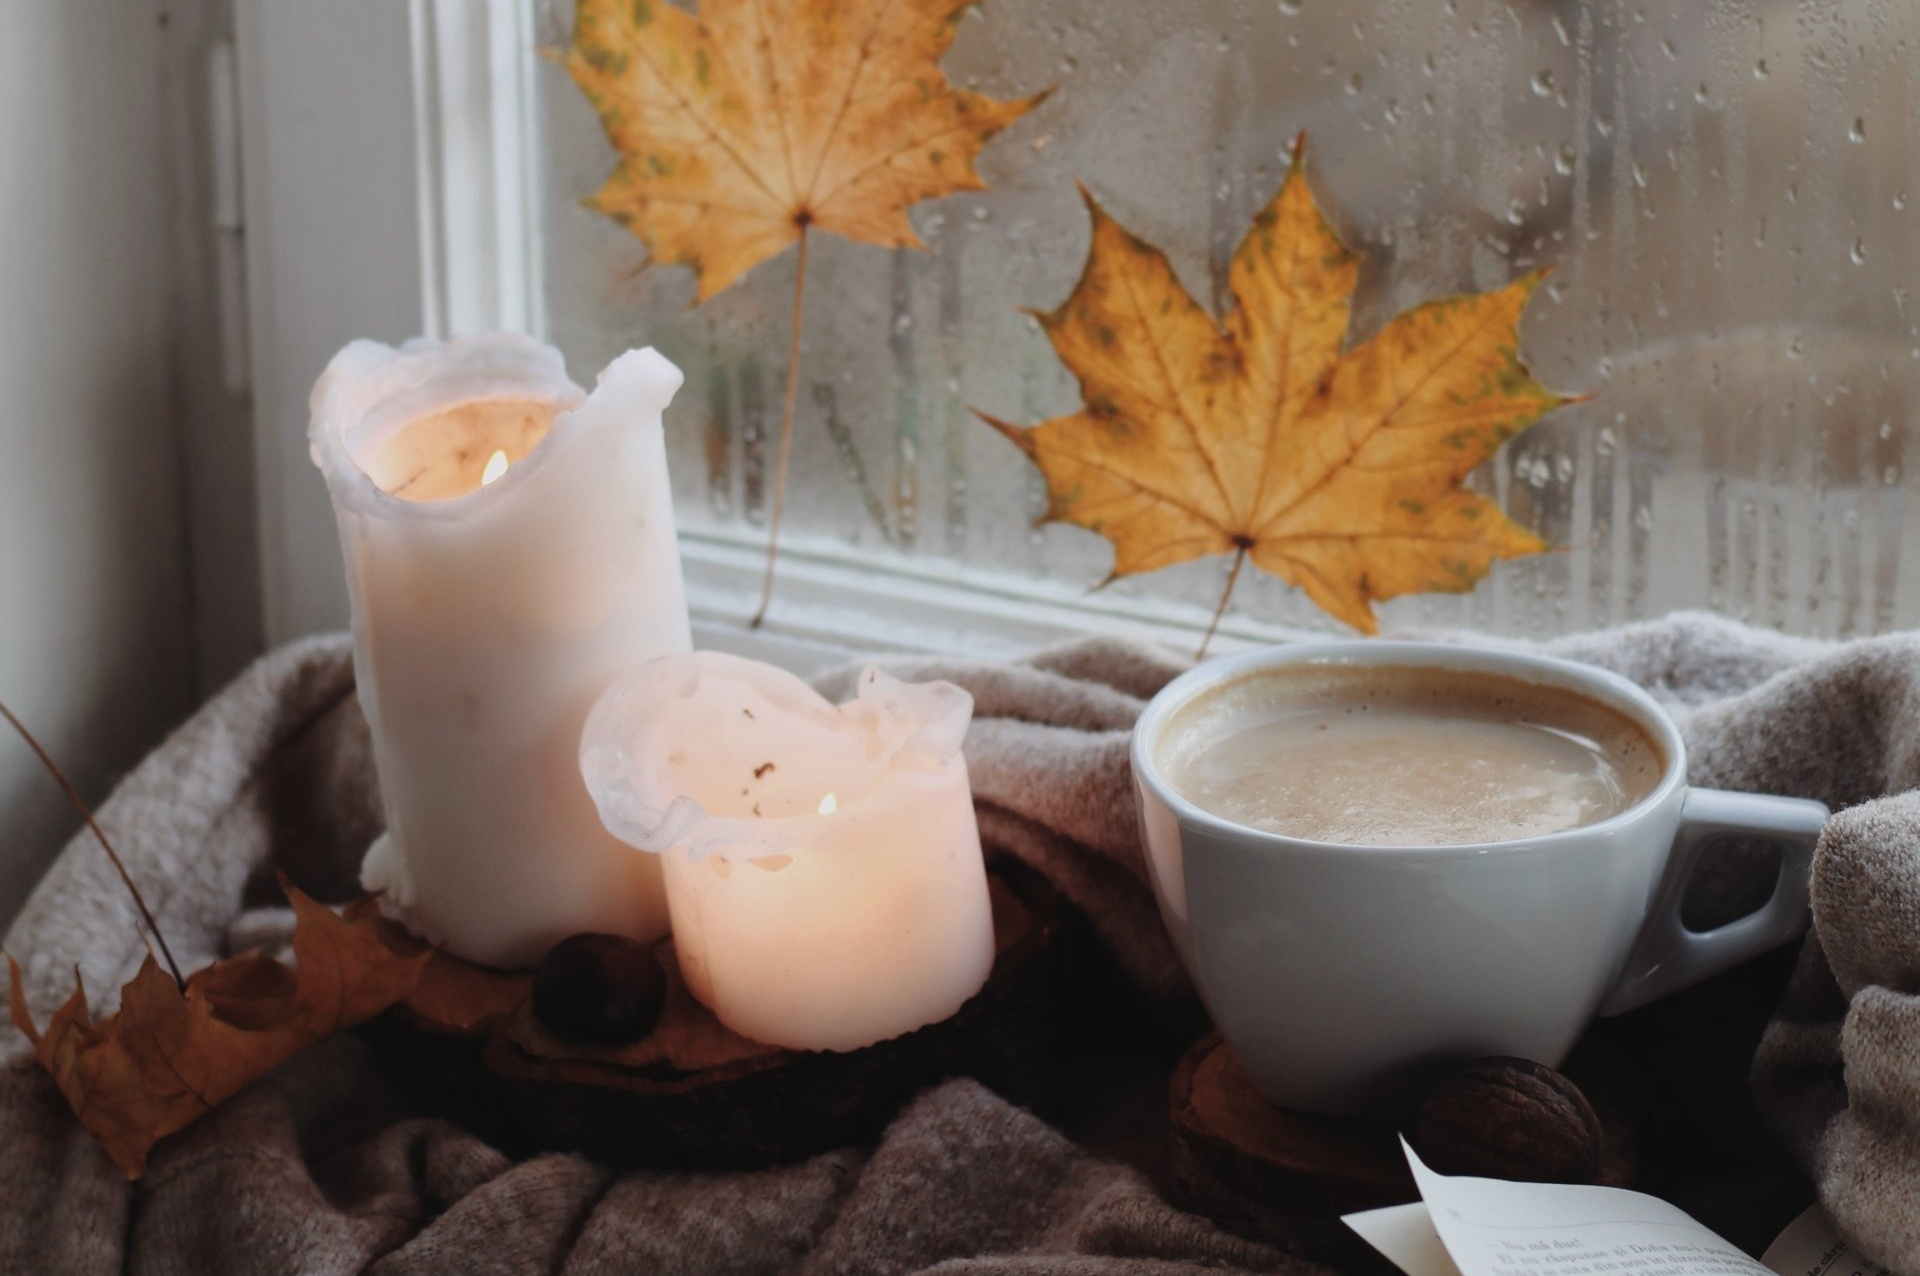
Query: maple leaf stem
[(1226, 596), (80, 805), (786, 430)]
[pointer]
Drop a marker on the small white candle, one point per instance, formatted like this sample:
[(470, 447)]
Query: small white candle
[(510, 550), (823, 864)]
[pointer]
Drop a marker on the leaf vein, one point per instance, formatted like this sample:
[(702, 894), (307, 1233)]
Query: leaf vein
[(639, 48), (1380, 423)]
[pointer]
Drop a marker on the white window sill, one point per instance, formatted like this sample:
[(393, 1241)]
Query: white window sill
[(833, 604)]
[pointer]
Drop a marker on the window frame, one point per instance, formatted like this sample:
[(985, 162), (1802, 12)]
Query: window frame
[(462, 228)]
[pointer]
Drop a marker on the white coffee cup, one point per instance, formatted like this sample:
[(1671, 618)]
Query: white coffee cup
[(1342, 976)]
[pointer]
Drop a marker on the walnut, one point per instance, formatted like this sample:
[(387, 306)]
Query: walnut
[(1507, 1118), (606, 990)]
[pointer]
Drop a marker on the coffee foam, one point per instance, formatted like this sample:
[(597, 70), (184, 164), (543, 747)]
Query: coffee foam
[(1405, 756)]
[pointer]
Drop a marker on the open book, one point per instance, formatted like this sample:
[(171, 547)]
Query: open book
[(1488, 1227)]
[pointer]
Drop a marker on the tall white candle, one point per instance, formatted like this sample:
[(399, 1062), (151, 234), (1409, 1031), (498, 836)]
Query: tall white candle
[(510, 549), (823, 864)]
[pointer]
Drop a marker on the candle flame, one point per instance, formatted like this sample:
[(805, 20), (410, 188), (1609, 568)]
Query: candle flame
[(829, 804), (496, 466)]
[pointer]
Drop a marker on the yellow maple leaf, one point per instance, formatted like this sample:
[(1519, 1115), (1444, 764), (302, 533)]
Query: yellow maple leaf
[(743, 126), (1257, 435)]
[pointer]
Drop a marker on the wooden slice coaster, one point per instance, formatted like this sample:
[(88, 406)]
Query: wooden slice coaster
[(1260, 1170), (1250, 1165), (694, 1093)]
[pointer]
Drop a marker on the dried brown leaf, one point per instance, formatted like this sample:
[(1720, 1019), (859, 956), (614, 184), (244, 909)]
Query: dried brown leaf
[(169, 1055)]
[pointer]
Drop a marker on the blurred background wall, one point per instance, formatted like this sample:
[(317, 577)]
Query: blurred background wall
[(129, 580)]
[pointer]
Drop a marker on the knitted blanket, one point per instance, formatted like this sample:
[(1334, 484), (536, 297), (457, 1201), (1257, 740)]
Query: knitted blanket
[(321, 1167)]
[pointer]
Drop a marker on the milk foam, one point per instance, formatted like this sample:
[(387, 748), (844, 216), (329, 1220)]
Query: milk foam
[(1392, 756)]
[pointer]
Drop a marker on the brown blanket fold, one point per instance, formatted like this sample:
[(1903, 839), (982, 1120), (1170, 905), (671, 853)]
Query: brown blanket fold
[(322, 1168)]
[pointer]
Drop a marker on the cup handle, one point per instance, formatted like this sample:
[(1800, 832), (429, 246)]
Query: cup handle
[(1667, 956)]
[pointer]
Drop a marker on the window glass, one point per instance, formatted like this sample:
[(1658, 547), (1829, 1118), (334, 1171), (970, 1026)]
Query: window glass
[(1724, 188)]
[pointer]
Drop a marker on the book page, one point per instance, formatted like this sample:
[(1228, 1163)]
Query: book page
[(1810, 1247), (1490, 1227), (1404, 1233)]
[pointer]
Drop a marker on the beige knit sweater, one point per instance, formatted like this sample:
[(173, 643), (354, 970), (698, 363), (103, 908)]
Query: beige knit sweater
[(322, 1168)]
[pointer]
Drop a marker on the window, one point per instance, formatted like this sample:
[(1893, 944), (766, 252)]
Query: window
[(1723, 188)]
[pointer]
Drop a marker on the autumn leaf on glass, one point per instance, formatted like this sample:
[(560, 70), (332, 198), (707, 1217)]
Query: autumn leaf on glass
[(745, 127), (1258, 435)]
